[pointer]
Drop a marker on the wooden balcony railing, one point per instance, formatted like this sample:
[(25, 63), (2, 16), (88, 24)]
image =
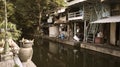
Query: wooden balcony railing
[(75, 14)]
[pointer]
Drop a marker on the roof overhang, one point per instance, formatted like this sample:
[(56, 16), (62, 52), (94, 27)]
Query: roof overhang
[(74, 2), (112, 19), (111, 1), (60, 22)]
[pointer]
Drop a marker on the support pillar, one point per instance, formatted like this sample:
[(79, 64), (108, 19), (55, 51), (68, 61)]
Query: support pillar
[(75, 28), (113, 33), (85, 31)]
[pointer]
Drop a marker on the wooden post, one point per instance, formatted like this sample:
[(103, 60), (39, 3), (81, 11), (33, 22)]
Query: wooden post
[(85, 23), (74, 28), (85, 31), (68, 31)]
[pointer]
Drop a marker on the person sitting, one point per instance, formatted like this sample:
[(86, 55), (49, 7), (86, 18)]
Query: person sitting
[(62, 36)]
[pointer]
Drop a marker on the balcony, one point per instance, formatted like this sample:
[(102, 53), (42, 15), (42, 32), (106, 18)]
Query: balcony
[(75, 15)]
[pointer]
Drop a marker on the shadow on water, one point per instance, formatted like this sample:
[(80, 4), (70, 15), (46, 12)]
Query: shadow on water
[(49, 54)]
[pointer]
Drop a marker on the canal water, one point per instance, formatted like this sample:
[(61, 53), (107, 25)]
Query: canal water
[(50, 54)]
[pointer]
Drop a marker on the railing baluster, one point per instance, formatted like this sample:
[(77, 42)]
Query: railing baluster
[(75, 14)]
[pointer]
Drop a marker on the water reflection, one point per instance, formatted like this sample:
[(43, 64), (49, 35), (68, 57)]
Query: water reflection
[(49, 54)]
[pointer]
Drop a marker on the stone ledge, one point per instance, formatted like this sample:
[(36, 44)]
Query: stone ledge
[(106, 50), (7, 56)]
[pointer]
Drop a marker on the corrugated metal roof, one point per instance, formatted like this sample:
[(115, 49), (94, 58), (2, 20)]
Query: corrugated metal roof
[(74, 2), (112, 19)]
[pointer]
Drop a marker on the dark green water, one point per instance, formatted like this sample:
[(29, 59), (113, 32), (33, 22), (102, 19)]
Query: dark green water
[(49, 54)]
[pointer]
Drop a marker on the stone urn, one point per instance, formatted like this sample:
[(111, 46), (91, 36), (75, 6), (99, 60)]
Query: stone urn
[(27, 44), (26, 51), (25, 54)]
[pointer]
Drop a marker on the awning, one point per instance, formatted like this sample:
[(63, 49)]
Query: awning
[(112, 19), (74, 2), (60, 22)]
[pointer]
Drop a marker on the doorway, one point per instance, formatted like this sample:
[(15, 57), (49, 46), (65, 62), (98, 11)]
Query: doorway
[(118, 34)]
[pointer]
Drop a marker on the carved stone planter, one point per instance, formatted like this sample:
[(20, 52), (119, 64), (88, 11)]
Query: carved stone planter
[(27, 44), (25, 54), (26, 51)]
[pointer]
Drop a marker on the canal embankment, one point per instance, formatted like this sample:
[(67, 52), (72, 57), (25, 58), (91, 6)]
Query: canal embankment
[(65, 41), (53, 54), (103, 48)]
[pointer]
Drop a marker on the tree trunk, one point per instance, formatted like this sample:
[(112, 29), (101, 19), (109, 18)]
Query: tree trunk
[(39, 19), (39, 22)]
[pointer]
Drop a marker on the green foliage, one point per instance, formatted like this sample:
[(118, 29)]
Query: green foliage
[(25, 14), (11, 31), (11, 27), (50, 5), (10, 9), (60, 3), (1, 11)]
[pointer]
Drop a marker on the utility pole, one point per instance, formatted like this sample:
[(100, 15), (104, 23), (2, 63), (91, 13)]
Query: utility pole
[(6, 46)]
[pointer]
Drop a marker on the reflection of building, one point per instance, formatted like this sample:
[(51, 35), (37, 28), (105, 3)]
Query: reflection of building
[(53, 48)]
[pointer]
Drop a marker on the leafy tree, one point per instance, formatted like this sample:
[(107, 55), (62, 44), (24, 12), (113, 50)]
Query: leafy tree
[(48, 6), (28, 13), (12, 29)]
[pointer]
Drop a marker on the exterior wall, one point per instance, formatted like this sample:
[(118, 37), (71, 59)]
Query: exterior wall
[(95, 11), (113, 33), (115, 9), (53, 31), (87, 11)]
